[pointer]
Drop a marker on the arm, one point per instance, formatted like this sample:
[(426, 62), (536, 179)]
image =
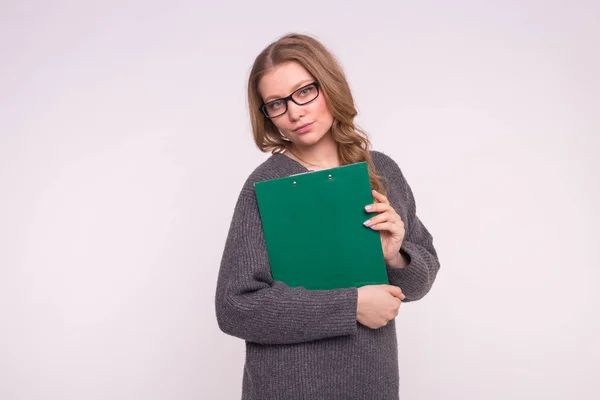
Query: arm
[(420, 263), (251, 306)]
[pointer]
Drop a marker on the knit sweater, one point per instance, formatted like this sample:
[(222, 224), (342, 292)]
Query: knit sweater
[(307, 344)]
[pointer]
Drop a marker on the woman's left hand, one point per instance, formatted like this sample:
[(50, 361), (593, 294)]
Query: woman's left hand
[(390, 227)]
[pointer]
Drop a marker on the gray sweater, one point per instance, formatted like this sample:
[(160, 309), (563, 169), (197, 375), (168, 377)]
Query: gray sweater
[(303, 344)]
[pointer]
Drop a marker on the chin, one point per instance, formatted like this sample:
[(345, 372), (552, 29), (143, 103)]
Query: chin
[(308, 139)]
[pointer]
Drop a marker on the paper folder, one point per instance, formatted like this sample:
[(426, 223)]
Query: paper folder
[(314, 232)]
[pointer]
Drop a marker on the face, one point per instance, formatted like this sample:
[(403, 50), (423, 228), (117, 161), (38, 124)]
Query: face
[(305, 125)]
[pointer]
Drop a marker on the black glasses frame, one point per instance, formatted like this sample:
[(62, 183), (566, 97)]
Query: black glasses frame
[(263, 106)]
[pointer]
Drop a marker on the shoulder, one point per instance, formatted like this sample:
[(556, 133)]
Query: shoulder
[(394, 179), (398, 190), (386, 165)]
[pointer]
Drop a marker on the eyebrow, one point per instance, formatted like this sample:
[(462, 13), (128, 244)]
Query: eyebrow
[(296, 87)]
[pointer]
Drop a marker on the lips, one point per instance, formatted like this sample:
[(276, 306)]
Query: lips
[(303, 128)]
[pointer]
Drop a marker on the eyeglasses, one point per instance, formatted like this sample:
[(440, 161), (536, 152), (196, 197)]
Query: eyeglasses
[(301, 96)]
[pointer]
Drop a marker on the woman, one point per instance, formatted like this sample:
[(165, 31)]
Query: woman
[(325, 344)]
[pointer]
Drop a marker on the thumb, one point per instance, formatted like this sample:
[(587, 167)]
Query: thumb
[(396, 292)]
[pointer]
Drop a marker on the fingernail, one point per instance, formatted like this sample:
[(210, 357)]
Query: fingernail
[(367, 222), (368, 208)]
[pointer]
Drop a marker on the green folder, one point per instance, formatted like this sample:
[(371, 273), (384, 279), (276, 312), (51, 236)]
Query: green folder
[(314, 232)]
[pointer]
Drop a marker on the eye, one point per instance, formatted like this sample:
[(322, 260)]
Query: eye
[(275, 105), (307, 90)]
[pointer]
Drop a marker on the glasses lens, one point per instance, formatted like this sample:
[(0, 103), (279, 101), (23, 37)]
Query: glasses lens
[(306, 94), (275, 108)]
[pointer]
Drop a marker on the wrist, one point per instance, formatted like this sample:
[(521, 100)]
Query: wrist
[(399, 261)]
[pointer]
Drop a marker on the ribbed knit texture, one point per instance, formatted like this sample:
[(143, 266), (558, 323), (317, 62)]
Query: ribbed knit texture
[(303, 344)]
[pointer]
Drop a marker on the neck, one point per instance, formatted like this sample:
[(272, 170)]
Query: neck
[(321, 155)]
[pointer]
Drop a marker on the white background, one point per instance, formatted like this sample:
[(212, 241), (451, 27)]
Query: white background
[(125, 139)]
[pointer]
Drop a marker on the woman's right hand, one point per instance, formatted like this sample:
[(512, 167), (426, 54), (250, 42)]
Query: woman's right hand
[(378, 304)]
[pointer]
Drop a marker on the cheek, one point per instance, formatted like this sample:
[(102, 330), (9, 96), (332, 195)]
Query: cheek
[(283, 124), (322, 109)]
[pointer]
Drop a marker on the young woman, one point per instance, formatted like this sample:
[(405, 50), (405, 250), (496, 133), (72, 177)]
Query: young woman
[(317, 344)]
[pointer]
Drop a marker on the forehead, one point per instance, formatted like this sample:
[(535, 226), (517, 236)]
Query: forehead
[(282, 80)]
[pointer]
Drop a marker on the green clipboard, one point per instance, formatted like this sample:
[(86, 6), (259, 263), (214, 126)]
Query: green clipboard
[(314, 232)]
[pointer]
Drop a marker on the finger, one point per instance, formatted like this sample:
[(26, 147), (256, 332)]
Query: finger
[(395, 291), (381, 208), (378, 207), (387, 226), (378, 219), (379, 197)]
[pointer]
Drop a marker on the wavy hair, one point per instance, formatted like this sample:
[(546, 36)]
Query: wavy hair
[(352, 142)]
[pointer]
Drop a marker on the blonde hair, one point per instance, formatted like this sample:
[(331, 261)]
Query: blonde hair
[(353, 143)]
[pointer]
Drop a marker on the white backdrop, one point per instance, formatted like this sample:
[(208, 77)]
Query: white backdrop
[(125, 139)]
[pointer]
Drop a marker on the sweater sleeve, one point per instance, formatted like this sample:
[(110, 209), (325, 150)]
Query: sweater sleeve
[(416, 279), (253, 307)]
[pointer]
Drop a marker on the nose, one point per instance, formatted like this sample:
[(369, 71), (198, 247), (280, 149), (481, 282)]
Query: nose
[(294, 111)]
